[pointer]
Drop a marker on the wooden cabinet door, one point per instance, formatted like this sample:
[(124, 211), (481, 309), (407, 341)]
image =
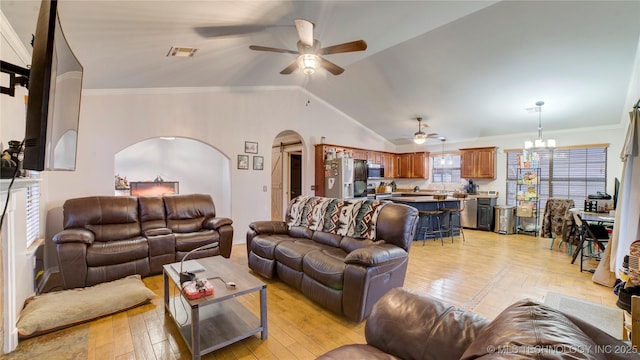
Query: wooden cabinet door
[(389, 164), (359, 154), (420, 165), (404, 166), (467, 164), (485, 163)]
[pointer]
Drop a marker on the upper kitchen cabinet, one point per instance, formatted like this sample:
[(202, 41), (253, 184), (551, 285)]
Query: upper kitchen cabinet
[(375, 157), (389, 163), (478, 163), (359, 154), (413, 165)]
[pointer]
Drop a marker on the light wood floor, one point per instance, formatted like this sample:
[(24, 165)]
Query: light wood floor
[(484, 274)]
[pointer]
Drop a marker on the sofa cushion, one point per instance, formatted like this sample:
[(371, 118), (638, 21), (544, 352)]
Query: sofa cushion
[(350, 244), (326, 266), (327, 238), (190, 241), (528, 329), (265, 245), (117, 252), (186, 213), (291, 253)]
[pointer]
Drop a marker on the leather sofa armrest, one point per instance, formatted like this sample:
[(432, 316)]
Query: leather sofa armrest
[(216, 222), (157, 232), (269, 227), (74, 236), (375, 255)]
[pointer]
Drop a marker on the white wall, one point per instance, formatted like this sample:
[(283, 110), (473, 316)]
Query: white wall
[(224, 118)]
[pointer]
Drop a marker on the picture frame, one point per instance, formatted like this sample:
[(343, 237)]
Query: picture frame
[(258, 163), (243, 162), (250, 147)]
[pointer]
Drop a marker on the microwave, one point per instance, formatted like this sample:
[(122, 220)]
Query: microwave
[(375, 171)]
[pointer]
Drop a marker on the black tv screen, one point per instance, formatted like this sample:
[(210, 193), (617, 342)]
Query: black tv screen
[(55, 88)]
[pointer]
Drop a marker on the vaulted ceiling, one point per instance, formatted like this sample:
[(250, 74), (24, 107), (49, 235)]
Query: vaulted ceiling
[(469, 68)]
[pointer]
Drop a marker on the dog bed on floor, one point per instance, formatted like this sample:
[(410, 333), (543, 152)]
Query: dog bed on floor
[(57, 310)]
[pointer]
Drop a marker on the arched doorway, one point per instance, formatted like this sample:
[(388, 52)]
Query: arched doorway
[(286, 171), (197, 167)]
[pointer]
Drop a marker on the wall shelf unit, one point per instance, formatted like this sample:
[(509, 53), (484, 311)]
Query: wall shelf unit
[(528, 201)]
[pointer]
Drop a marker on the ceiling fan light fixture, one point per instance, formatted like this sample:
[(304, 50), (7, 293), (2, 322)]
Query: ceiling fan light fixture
[(308, 63), (419, 137)]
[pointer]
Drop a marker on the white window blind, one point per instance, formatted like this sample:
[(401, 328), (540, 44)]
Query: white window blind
[(445, 168), (570, 173), (33, 213)]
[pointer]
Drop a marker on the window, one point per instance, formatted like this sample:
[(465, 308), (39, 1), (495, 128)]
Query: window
[(33, 213), (571, 173), (445, 168)]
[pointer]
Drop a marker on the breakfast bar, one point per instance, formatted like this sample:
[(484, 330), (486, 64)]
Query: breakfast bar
[(429, 203)]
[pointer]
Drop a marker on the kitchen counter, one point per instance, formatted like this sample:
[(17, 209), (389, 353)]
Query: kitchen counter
[(421, 199)]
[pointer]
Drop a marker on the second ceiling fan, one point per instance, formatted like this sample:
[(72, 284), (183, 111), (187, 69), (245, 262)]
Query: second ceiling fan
[(309, 51)]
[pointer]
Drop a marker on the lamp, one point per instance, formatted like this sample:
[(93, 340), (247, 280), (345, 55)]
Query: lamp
[(189, 276), (419, 137), (539, 143), (308, 63)]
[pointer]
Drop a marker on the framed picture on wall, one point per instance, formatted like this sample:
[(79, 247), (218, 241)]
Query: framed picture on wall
[(258, 163), (250, 147), (243, 162)]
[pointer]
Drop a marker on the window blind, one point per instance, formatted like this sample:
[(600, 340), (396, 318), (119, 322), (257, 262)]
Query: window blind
[(571, 173), (33, 213), (445, 168)]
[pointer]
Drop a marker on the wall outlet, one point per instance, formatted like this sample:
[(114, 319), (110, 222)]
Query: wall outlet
[(264, 188), (313, 187)]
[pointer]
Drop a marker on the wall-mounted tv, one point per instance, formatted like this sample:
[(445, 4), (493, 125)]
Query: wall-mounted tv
[(55, 88)]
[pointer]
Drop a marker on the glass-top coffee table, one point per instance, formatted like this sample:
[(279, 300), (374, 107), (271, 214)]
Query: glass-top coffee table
[(212, 322)]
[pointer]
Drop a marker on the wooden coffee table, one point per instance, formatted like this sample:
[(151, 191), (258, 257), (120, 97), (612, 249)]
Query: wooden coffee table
[(212, 322)]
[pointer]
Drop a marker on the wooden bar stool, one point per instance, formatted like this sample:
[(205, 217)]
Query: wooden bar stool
[(429, 225), (454, 214)]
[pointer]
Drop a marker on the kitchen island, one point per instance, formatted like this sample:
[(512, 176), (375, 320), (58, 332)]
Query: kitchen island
[(422, 202)]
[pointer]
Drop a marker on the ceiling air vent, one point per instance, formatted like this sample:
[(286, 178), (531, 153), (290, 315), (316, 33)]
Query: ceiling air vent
[(181, 51)]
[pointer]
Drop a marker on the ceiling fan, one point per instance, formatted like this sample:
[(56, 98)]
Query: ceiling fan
[(420, 136), (309, 51)]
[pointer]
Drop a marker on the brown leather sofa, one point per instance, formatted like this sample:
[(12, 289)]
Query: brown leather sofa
[(110, 237), (408, 325), (344, 274)]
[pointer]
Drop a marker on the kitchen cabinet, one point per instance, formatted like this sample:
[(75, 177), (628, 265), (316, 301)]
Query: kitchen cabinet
[(359, 154), (413, 165), (389, 163), (375, 157), (478, 163), (486, 213)]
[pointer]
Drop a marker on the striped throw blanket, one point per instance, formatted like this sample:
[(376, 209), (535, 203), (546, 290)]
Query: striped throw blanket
[(354, 218)]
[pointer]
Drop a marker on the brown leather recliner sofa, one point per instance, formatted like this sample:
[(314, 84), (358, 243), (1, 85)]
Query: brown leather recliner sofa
[(408, 325), (344, 255), (110, 237)]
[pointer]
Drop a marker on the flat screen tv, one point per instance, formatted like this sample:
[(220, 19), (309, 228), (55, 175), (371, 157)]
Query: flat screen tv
[(55, 87)]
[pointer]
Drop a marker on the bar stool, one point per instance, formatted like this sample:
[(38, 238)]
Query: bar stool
[(454, 213), (429, 225)]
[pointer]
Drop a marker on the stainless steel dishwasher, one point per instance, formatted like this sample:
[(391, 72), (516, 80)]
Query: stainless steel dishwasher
[(469, 216)]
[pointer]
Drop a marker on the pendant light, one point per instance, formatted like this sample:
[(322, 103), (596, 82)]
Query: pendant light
[(539, 143)]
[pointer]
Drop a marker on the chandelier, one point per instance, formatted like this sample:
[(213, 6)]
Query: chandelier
[(539, 143)]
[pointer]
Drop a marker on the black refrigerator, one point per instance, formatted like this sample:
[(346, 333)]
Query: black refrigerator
[(359, 178)]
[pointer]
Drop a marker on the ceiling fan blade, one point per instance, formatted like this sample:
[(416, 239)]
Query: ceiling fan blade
[(358, 45), (433, 135), (305, 31), (266, 48), (330, 67), (230, 30), (289, 69)]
